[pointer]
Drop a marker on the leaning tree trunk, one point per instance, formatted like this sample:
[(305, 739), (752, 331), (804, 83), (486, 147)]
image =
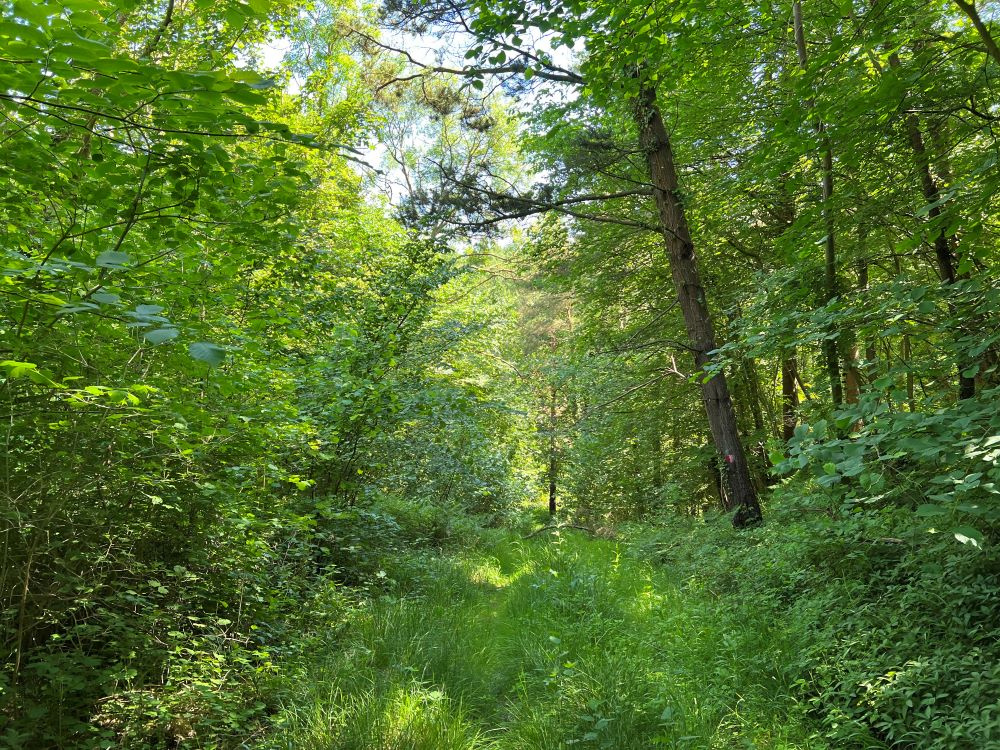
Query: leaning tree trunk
[(740, 492)]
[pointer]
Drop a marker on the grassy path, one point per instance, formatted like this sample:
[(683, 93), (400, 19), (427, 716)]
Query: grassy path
[(547, 644)]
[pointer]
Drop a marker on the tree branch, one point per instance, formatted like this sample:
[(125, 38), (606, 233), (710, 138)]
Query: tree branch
[(530, 206), (546, 71), (969, 7), (155, 41)]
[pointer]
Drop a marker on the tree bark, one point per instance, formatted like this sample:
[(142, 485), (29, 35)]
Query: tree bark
[(942, 246), (754, 399), (830, 290), (741, 494), (871, 354), (906, 355), (656, 444), (969, 8), (552, 451), (852, 373), (853, 378), (789, 396)]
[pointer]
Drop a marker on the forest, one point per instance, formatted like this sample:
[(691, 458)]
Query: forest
[(500, 374)]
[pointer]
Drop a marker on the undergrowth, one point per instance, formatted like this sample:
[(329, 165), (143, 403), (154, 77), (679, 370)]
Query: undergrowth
[(898, 627), (813, 631), (555, 642), (424, 630)]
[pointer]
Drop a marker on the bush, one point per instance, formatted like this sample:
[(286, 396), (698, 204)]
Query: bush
[(899, 630)]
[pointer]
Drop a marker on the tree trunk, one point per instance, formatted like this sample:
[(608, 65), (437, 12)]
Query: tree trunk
[(931, 193), (754, 405), (741, 494), (852, 373), (552, 451), (906, 354), (830, 350), (871, 354), (789, 396), (753, 394), (853, 378), (942, 246), (656, 444), (657, 459)]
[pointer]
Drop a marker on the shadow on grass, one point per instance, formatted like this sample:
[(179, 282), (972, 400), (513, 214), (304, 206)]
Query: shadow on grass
[(543, 644)]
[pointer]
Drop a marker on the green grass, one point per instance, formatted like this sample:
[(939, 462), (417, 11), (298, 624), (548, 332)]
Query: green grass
[(545, 644)]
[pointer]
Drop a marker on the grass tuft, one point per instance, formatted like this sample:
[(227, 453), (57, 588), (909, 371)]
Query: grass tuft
[(542, 644)]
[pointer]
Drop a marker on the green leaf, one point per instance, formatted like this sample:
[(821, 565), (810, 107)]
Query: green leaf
[(113, 259), (18, 369), (968, 535), (79, 307), (159, 335), (263, 84), (927, 510), (32, 11), (206, 352)]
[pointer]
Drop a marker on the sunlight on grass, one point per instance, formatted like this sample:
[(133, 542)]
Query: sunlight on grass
[(489, 572), (393, 716), (548, 645)]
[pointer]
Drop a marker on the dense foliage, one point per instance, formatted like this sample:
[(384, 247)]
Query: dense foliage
[(302, 303), (217, 358)]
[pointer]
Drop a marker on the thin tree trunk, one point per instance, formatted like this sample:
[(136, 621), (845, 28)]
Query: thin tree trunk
[(931, 193), (871, 355), (905, 353), (853, 378), (938, 130), (741, 494), (753, 394), (789, 396), (942, 247), (656, 444), (829, 220), (887, 350), (552, 451), (754, 401), (852, 374)]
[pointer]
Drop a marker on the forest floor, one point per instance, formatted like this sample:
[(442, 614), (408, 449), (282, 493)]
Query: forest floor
[(562, 641)]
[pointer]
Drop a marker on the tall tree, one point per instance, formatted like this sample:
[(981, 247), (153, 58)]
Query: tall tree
[(740, 492), (830, 284), (502, 52)]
